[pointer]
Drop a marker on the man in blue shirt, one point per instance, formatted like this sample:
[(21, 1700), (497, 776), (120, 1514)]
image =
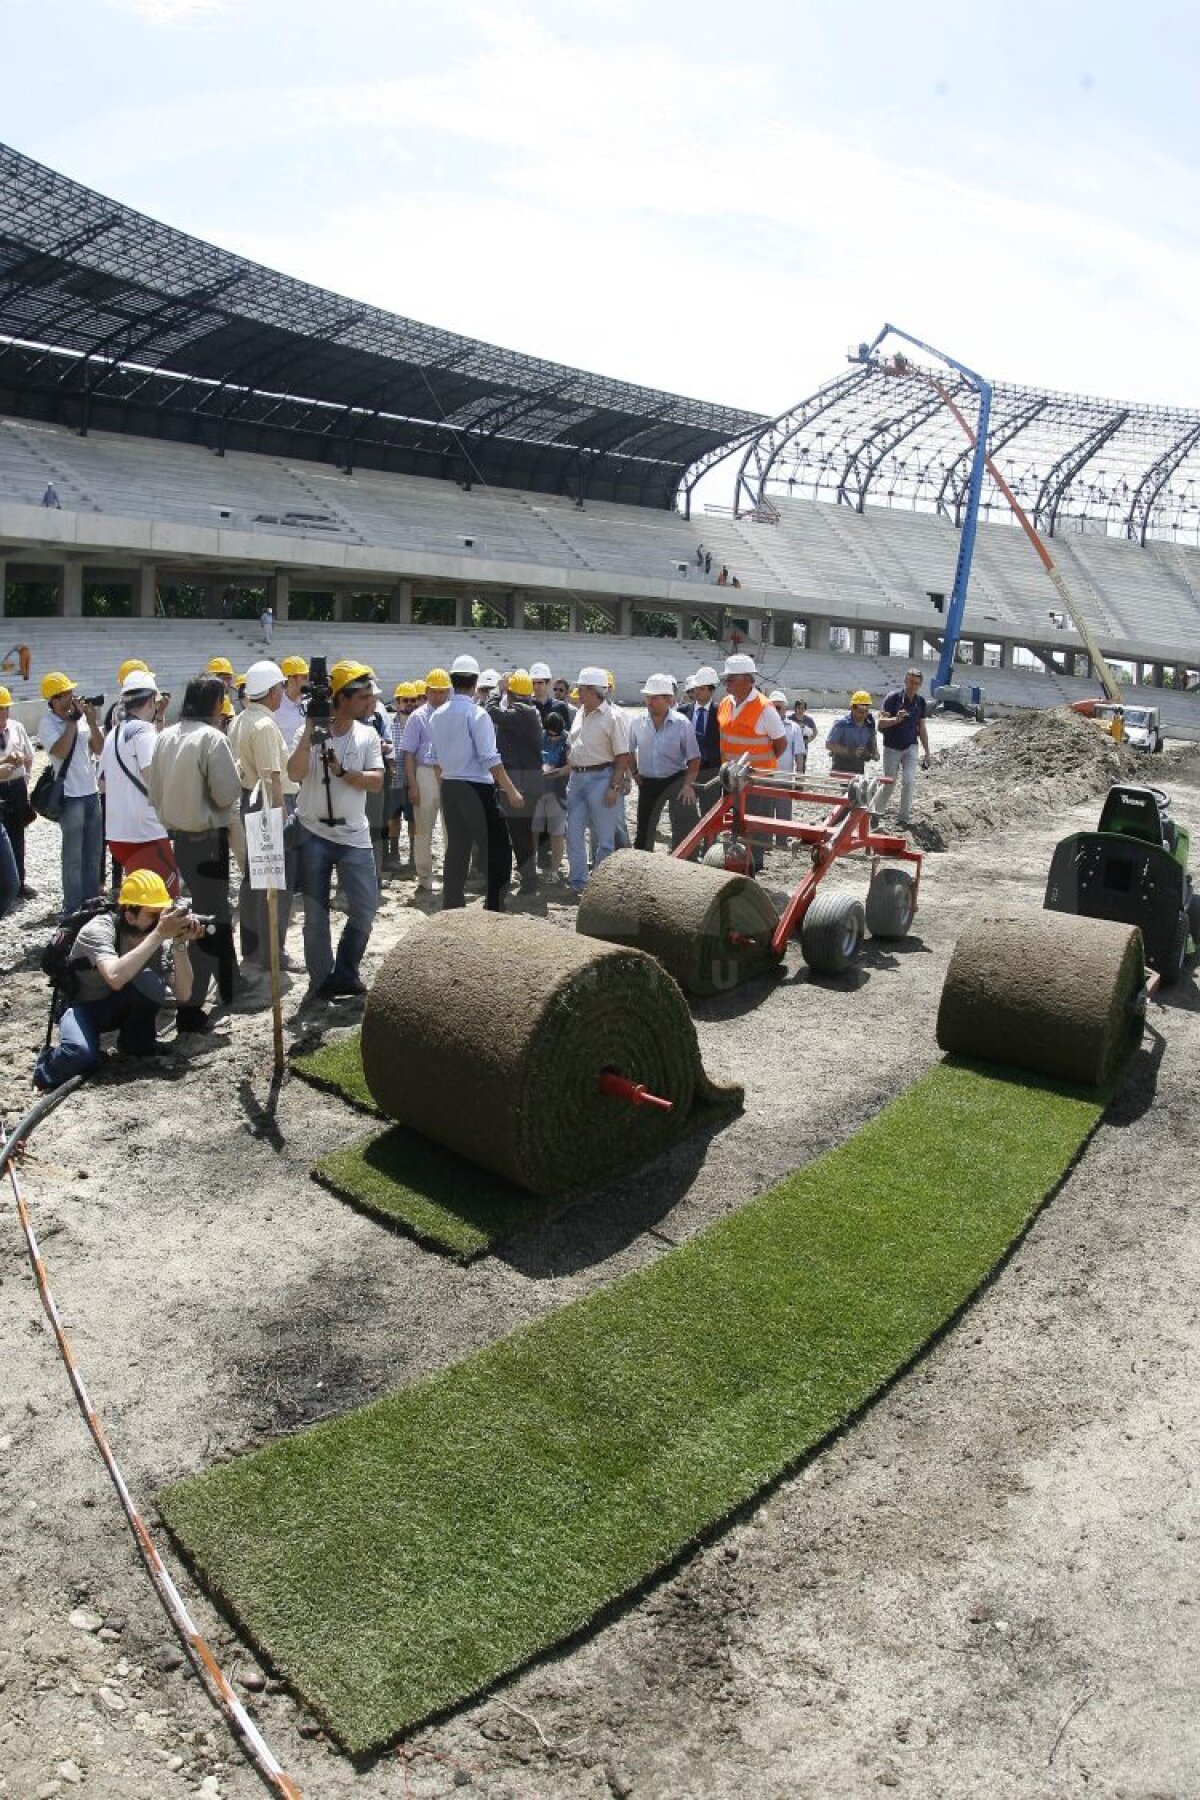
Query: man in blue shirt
[(464, 748), (666, 763), (902, 722), (852, 742)]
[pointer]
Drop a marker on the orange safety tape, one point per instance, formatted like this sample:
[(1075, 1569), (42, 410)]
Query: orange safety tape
[(217, 1685)]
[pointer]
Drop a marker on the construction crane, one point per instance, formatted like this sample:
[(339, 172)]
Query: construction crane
[(944, 690)]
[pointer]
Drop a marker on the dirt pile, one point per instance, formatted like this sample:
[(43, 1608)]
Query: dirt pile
[(1032, 763)]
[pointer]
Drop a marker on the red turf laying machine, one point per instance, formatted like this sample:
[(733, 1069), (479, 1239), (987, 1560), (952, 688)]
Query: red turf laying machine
[(713, 929)]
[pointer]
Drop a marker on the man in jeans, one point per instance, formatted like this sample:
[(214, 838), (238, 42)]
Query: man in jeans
[(69, 748), (337, 765), (902, 722), (599, 759)]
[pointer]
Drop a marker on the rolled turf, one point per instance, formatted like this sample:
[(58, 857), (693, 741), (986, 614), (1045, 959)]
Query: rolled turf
[(433, 1193), (683, 914), (490, 1034), (397, 1561)]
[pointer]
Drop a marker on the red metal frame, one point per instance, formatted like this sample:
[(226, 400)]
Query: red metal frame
[(845, 830)]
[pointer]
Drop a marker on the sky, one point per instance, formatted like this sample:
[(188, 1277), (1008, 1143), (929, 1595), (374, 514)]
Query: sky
[(683, 195)]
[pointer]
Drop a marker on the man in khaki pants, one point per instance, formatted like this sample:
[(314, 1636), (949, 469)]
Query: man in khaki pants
[(424, 794)]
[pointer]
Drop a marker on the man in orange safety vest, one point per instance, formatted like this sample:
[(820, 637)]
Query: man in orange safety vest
[(750, 726)]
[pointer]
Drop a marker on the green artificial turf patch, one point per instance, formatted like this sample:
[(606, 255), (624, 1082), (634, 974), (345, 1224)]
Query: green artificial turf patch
[(394, 1562), (338, 1068), (440, 1198)]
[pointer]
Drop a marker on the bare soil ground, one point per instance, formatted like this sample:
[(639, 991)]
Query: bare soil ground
[(987, 1585)]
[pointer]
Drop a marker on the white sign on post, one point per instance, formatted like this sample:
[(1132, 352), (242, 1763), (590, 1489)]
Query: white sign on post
[(264, 847)]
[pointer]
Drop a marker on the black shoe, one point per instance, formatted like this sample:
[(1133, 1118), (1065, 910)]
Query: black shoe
[(192, 1018), (337, 989)]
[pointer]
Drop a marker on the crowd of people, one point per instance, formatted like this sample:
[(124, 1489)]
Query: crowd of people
[(518, 779)]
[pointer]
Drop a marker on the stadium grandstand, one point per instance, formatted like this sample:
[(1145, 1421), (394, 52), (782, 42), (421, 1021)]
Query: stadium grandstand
[(186, 437)]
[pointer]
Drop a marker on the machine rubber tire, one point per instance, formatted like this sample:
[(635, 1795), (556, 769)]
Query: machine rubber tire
[(1172, 969), (891, 903), (1193, 918), (832, 933)]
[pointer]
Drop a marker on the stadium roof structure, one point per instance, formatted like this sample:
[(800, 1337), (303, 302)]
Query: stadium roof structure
[(876, 437), (109, 320)]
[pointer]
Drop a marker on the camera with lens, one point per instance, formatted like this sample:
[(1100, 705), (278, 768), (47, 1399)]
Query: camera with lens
[(320, 694), (207, 920)]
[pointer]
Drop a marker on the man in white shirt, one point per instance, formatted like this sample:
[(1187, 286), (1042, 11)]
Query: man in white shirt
[(71, 749), (337, 765), (137, 837), (16, 760), (598, 756)]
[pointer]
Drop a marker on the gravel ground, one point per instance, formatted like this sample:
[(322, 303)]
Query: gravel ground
[(986, 1586)]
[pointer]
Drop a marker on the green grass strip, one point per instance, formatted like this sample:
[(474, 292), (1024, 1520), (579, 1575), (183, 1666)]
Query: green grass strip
[(338, 1068), (394, 1562), (436, 1196)]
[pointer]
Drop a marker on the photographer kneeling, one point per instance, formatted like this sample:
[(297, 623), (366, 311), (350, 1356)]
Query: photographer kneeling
[(119, 979)]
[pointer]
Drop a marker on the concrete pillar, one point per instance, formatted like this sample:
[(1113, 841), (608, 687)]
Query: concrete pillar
[(72, 590), (1157, 673), (400, 604), (145, 593), (1006, 651), (279, 594), (818, 636), (625, 617), (341, 605), (574, 616)]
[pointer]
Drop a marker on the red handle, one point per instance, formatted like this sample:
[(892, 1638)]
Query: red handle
[(634, 1093)]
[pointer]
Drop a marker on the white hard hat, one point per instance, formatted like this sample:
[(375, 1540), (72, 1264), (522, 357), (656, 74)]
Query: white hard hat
[(140, 681), (464, 665), (689, 684), (540, 672), (489, 678), (659, 684), (593, 677), (706, 677), (779, 698), (261, 677), (740, 664)]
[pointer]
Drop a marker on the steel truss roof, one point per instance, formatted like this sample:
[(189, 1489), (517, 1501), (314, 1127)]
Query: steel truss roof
[(874, 438), (111, 320)]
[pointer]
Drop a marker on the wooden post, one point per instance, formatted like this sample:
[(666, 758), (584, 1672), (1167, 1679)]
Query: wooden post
[(276, 1004)]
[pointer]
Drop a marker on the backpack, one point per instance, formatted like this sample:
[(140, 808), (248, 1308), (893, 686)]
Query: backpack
[(55, 959)]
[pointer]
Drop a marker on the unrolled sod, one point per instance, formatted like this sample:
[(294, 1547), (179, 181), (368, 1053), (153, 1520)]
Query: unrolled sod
[(1044, 991), (489, 1034), (710, 928)]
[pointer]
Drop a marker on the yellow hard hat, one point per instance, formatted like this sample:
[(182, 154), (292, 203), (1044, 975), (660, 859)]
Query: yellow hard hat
[(144, 888), (5, 697), (521, 682), (419, 689), (129, 665), (227, 708), (612, 680), (56, 683), (405, 690), (294, 665), (575, 695), (437, 678), (343, 673), (239, 682), (218, 665), (860, 698)]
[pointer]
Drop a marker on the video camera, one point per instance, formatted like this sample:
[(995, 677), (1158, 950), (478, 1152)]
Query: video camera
[(319, 693), (93, 700)]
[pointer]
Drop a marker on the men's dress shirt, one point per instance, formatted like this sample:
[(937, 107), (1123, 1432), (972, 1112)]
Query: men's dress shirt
[(259, 749), (464, 741), (598, 737), (666, 749), (417, 738)]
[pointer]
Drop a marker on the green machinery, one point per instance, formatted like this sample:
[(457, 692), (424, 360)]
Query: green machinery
[(1133, 869)]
